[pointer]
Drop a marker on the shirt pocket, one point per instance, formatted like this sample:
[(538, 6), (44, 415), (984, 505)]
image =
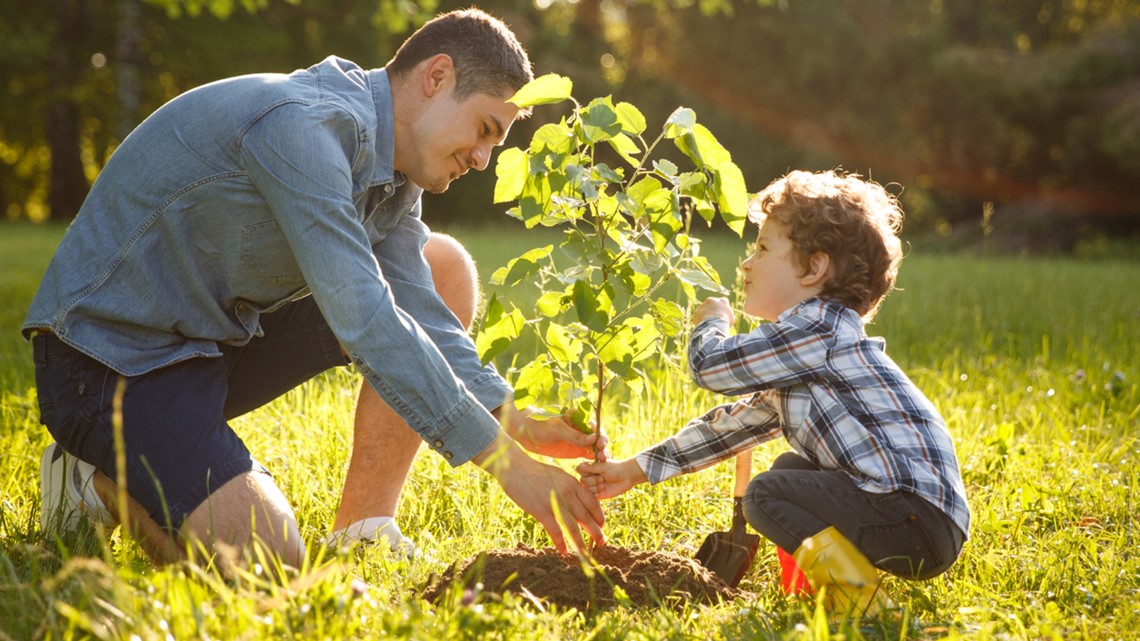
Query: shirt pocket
[(265, 250)]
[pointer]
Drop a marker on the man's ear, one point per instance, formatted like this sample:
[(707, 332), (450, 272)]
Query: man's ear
[(438, 71), (817, 270)]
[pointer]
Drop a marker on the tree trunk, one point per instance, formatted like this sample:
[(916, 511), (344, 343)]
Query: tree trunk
[(127, 74), (68, 185)]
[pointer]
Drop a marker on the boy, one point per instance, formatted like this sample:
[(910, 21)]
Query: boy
[(873, 482)]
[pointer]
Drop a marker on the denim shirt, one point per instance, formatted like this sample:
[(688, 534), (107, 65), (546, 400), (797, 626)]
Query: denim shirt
[(242, 195)]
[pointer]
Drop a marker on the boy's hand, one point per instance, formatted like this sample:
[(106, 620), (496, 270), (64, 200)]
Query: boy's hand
[(555, 437), (714, 306), (611, 478)]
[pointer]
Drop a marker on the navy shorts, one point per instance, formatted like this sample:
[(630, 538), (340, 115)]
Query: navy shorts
[(179, 446)]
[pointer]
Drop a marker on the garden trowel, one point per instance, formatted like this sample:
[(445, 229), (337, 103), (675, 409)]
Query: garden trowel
[(729, 554)]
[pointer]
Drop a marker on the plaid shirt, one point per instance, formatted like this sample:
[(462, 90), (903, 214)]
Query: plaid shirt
[(840, 401)]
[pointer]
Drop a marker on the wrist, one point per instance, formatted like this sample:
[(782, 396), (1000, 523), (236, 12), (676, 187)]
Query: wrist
[(500, 455), (636, 474)]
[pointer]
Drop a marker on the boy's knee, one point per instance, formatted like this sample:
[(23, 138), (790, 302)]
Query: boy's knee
[(454, 275)]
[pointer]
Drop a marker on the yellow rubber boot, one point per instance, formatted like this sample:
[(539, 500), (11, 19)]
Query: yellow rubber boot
[(850, 582)]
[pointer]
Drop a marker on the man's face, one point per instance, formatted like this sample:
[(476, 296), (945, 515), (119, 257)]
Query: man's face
[(452, 136)]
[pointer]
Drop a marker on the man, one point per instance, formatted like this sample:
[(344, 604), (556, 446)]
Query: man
[(252, 233)]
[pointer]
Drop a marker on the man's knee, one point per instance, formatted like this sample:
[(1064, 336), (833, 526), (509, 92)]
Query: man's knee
[(454, 275), (250, 508)]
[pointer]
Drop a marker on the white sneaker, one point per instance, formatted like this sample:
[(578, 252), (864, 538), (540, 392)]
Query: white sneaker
[(375, 530), (67, 493)]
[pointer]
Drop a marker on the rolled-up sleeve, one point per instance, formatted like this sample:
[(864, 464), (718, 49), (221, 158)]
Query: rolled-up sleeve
[(406, 271), (299, 157)]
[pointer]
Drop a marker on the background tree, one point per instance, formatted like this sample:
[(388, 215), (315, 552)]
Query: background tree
[(1023, 112)]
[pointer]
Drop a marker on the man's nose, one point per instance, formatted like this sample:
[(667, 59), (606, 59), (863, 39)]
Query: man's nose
[(481, 157)]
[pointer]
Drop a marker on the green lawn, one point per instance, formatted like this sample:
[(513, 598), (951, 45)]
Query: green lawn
[(1034, 364)]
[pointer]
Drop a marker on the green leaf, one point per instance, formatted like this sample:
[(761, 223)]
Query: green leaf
[(521, 268), (631, 119), (535, 379), (549, 304), (592, 308), (732, 196), (680, 122), (665, 167), (563, 347), (499, 330), (645, 337), (703, 148), (600, 121), (543, 90), (511, 170), (634, 281), (669, 316), (616, 350), (558, 139), (699, 279), (626, 148)]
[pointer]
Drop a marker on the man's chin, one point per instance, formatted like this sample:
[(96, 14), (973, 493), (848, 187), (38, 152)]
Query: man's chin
[(437, 187)]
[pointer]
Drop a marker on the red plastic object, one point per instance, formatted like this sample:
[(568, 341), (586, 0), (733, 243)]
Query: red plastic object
[(792, 579)]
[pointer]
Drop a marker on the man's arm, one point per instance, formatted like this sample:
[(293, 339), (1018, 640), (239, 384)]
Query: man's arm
[(401, 259), (545, 492), (299, 157)]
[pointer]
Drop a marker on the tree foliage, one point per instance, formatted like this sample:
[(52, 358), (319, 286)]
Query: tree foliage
[(600, 312)]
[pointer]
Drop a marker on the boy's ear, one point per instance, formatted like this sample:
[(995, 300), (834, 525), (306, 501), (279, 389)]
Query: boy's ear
[(817, 270)]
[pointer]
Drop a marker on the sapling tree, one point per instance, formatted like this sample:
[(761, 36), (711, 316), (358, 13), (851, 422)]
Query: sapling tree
[(601, 311)]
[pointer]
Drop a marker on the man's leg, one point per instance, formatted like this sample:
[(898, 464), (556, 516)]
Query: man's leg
[(191, 478), (247, 508), (383, 446)]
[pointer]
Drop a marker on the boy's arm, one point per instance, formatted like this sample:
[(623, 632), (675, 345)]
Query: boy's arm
[(780, 354), (718, 435)]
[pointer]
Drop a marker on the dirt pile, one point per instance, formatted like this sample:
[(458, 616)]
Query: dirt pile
[(647, 578)]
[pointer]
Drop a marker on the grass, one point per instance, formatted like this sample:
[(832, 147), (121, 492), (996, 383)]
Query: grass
[(1032, 362)]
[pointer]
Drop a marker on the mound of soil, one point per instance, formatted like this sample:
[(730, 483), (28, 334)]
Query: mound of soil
[(648, 578)]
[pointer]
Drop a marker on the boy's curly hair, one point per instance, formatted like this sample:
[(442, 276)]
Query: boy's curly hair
[(854, 221)]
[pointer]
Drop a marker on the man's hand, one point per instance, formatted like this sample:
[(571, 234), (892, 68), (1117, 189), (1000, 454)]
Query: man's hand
[(554, 437), (536, 487), (610, 479), (714, 306)]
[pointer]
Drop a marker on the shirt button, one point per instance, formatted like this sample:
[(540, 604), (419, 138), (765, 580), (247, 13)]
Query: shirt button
[(387, 189), (448, 455), (438, 443)]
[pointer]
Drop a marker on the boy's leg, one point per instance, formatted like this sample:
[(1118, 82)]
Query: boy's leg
[(383, 446), (899, 532)]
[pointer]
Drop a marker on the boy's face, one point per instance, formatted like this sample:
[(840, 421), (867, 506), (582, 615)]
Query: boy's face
[(772, 280)]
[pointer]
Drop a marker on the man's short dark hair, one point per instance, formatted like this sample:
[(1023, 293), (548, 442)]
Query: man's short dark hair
[(487, 56)]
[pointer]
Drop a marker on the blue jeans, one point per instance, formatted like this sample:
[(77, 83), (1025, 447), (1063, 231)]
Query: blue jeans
[(179, 446), (899, 532)]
